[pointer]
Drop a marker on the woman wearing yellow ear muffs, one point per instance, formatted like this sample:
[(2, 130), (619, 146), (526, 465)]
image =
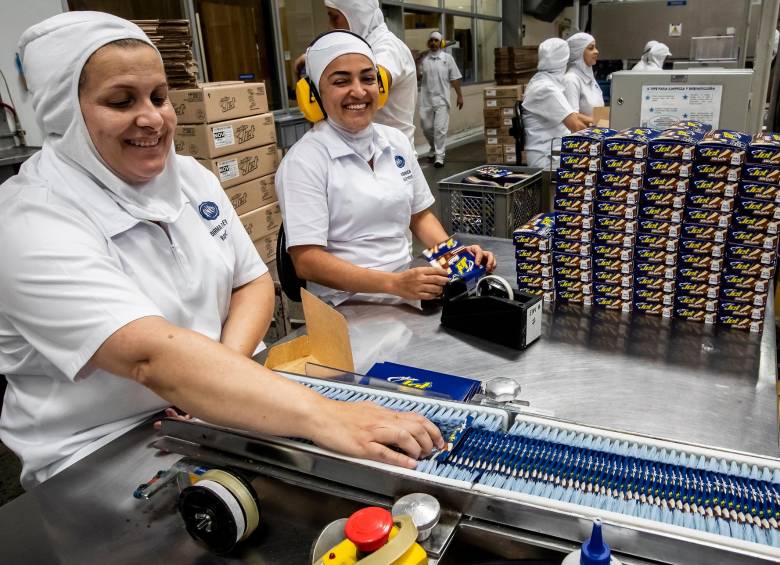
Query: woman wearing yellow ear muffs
[(350, 189)]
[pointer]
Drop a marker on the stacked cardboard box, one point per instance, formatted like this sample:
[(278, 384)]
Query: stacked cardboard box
[(500, 106), (515, 65), (228, 129), (751, 250), (533, 256), (173, 39)]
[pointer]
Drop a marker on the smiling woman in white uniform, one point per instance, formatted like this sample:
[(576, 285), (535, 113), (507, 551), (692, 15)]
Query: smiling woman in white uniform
[(547, 113), (128, 282), (350, 189), (582, 90)]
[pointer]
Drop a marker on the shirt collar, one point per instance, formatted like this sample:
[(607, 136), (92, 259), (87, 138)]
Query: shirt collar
[(337, 148)]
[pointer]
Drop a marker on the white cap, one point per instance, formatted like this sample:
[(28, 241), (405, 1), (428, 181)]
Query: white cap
[(435, 35), (553, 54), (330, 46)]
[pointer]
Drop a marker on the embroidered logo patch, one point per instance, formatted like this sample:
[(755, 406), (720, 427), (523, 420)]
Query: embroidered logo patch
[(209, 210), (400, 162)]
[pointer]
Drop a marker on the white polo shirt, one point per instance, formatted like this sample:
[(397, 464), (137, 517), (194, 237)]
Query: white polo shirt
[(76, 268), (438, 71), (331, 197)]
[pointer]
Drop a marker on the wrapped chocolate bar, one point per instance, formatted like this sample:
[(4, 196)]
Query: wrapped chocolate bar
[(764, 149), (723, 146), (631, 142)]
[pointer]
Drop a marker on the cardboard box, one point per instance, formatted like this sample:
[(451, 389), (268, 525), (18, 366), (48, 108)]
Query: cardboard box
[(500, 102), (601, 116), (207, 141), (218, 101), (326, 343), (514, 91), (266, 247), (494, 150), (252, 195), (241, 167), (262, 221)]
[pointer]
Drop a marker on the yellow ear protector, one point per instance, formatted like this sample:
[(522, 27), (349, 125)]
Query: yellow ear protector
[(308, 97)]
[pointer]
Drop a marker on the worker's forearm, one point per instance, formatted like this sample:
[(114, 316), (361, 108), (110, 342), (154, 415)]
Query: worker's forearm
[(314, 263), (208, 380), (250, 313), (456, 86), (427, 228)]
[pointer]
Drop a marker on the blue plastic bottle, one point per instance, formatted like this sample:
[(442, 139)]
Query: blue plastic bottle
[(593, 552)]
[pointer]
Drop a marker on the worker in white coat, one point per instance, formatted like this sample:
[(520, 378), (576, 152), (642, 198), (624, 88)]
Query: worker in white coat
[(350, 189), (547, 113), (438, 72), (364, 17), (582, 90), (653, 58), (128, 283)]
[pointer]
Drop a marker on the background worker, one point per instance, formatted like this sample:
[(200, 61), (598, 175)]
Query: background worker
[(653, 58), (547, 114), (582, 90), (438, 71)]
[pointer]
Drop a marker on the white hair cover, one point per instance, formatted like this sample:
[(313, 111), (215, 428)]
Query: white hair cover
[(331, 46), (363, 16), (577, 44), (553, 55)]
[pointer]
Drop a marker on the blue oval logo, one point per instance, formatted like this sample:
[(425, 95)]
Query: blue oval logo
[(400, 161), (209, 210)]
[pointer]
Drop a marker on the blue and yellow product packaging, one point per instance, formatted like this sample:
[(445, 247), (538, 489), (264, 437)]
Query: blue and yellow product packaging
[(567, 176), (697, 261), (662, 198), (612, 265), (748, 268), (612, 303), (612, 291), (706, 276), (571, 220), (574, 297), (660, 213), (612, 238), (708, 187), (760, 191), (693, 315), (701, 247), (658, 284), (579, 191), (677, 144), (703, 290), (453, 386), (739, 323), (764, 149), (623, 165), (620, 180), (535, 269), (723, 146), (618, 279), (579, 162), (761, 173), (532, 281), (703, 232), (741, 310), (631, 142), (697, 302), (753, 239), (572, 205), (751, 223), (668, 168), (756, 284), (715, 171), (760, 208), (574, 261), (654, 241), (528, 255), (743, 296), (572, 285), (654, 296), (652, 308), (612, 223), (707, 217), (612, 252), (627, 211), (587, 141), (654, 270), (572, 234), (566, 272), (657, 256), (696, 126), (705, 202), (454, 258), (536, 233), (752, 253), (668, 184), (571, 247), (616, 195), (658, 227)]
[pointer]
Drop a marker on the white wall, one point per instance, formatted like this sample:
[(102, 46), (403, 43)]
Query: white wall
[(471, 116), (537, 31), (13, 22)]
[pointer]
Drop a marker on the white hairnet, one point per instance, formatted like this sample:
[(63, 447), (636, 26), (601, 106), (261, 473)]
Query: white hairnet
[(648, 46), (362, 15), (657, 54), (330, 46), (577, 44), (553, 55), (435, 35), (53, 54)]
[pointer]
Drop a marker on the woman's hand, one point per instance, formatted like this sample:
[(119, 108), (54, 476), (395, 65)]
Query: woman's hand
[(363, 429), (420, 283), (172, 413), (483, 257)]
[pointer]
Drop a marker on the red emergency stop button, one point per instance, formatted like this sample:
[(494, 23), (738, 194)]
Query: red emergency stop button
[(369, 528)]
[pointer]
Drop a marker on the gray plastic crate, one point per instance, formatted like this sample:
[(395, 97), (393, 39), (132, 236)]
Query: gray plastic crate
[(487, 210)]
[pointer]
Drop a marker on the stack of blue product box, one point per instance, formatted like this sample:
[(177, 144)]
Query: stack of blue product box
[(667, 181), (618, 196), (751, 251), (533, 256)]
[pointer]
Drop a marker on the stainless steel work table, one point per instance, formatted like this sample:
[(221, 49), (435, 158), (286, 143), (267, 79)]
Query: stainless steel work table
[(677, 380)]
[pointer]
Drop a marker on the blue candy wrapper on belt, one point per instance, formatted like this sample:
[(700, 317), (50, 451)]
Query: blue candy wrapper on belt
[(451, 386)]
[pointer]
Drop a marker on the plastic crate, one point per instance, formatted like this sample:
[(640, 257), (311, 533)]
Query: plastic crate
[(487, 210)]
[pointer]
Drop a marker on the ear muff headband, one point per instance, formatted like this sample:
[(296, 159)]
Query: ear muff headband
[(308, 96)]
